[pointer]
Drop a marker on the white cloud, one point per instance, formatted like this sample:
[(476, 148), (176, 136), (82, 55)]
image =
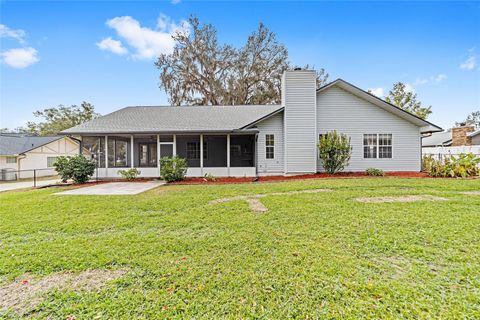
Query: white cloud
[(471, 61), (376, 92), (115, 46), (20, 57), (440, 77), (6, 32), (147, 43), (176, 1), (432, 79)]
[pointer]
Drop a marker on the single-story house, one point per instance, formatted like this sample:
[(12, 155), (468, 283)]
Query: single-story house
[(21, 153), (259, 139)]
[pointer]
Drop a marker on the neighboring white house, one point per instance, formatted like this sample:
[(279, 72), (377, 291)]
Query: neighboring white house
[(20, 154), (262, 139)]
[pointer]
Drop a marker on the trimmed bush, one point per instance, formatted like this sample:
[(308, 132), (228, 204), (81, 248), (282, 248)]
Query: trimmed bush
[(129, 174), (78, 168), (463, 166), (173, 168), (375, 172), (335, 151)]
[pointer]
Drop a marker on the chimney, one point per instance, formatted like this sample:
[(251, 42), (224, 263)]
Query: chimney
[(299, 98), (459, 136)]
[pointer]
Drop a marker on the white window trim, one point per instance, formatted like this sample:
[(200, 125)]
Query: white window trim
[(267, 146), (377, 157)]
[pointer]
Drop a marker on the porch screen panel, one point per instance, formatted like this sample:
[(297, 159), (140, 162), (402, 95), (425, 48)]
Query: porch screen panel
[(188, 147), (242, 151), (117, 152), (94, 148), (215, 151)]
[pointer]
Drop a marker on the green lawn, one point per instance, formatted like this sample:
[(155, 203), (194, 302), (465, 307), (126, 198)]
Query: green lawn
[(312, 255)]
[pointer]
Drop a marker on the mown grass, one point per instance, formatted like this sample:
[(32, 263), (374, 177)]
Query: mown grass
[(316, 255)]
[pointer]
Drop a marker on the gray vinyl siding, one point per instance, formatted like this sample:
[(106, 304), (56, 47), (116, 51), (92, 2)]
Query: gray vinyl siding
[(272, 125), (299, 121), (342, 111)]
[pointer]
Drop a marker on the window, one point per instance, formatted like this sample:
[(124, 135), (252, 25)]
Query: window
[(269, 146), (384, 146), (369, 146), (51, 161), (11, 159), (377, 146), (193, 150)]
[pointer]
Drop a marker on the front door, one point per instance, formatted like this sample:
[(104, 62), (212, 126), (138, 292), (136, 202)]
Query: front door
[(147, 154)]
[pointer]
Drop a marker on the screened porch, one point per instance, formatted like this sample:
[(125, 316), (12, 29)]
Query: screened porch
[(215, 154)]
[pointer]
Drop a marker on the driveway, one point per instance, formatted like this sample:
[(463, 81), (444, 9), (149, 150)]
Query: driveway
[(114, 188), (6, 186)]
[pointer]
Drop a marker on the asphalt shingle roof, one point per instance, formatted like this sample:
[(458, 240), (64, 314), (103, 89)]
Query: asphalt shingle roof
[(175, 119), (11, 144)]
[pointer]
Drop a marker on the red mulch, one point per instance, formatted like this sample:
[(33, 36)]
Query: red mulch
[(233, 180)]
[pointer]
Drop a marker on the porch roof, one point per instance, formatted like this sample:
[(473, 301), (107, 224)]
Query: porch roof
[(168, 119)]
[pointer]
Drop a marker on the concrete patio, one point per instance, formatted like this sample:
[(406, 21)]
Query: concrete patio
[(114, 188)]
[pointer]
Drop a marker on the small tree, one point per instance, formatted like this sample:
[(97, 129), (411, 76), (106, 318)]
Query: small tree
[(173, 168), (401, 97), (335, 151), (77, 168)]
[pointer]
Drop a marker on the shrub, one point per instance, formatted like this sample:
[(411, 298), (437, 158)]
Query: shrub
[(209, 177), (335, 151), (465, 165), (173, 168), (61, 166), (78, 168), (375, 172), (129, 174)]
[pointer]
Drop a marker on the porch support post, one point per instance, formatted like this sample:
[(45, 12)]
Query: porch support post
[(158, 154), (106, 156), (201, 154), (131, 151), (228, 154), (174, 145)]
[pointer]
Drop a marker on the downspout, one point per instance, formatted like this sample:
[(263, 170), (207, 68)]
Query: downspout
[(20, 157)]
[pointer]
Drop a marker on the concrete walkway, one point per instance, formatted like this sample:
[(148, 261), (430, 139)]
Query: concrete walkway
[(114, 188), (6, 186)]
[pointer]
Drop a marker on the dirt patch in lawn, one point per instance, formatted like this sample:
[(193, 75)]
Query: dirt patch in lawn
[(400, 199), (27, 291), (472, 193), (256, 206), (254, 202)]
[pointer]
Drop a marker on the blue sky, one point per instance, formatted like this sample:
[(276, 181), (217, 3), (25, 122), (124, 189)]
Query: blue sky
[(58, 52)]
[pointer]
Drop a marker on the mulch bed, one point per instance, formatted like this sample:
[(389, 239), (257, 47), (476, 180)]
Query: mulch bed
[(233, 180)]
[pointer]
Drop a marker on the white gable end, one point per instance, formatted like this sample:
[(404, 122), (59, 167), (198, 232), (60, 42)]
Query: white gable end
[(340, 110)]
